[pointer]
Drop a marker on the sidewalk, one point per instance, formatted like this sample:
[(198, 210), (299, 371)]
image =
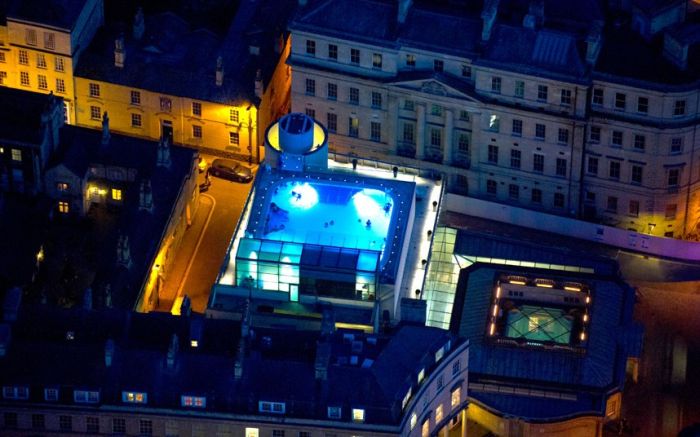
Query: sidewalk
[(185, 253)]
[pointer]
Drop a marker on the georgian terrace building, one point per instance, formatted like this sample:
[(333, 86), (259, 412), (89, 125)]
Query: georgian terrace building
[(543, 105)]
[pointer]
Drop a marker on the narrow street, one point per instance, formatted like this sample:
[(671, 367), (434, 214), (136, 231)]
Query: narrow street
[(198, 262)]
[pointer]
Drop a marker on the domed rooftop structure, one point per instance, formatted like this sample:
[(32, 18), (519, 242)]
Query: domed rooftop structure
[(296, 142)]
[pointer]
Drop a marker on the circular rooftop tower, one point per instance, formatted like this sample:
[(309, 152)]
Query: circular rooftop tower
[(296, 142)]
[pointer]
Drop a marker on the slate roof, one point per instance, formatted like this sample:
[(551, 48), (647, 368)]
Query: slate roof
[(59, 13), (587, 375), (20, 115), (79, 148), (278, 365)]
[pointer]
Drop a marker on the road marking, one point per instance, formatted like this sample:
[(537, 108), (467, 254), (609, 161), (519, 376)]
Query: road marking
[(196, 247)]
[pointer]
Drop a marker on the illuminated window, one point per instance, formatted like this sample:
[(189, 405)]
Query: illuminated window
[(116, 194), (49, 40), (94, 89), (193, 401), (196, 109), (233, 115), (196, 131), (413, 421), (14, 392), (353, 127), (95, 113), (63, 207), (358, 415), (24, 57), (60, 86), (334, 412), (425, 429), (41, 82), (30, 37), (456, 396), (16, 155), (24, 78), (50, 394), (252, 432), (86, 397), (132, 397), (438, 413), (136, 120), (410, 60), (271, 407), (40, 60), (494, 123), (377, 60), (405, 400), (233, 138), (59, 64), (135, 98)]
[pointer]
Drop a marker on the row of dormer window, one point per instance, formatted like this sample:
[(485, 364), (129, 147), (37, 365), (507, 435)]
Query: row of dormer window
[(620, 103), (438, 65)]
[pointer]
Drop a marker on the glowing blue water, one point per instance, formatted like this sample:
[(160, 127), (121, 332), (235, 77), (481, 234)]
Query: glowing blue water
[(329, 215)]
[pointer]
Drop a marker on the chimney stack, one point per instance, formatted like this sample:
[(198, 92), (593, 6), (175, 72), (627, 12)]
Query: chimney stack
[(145, 196), (219, 71), (119, 52), (594, 42), (404, 7), (172, 352), (535, 15), (123, 251), (139, 25), (109, 352), (258, 84), (105, 130), (163, 155), (87, 299), (488, 18)]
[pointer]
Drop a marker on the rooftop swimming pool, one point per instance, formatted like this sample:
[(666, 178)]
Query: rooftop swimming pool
[(328, 214)]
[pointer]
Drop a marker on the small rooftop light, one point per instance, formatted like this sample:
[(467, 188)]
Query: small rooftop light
[(70, 335), (516, 281), (572, 288), (194, 343)]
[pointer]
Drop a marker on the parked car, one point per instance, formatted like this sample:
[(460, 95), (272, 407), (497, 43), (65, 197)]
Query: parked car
[(231, 170)]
